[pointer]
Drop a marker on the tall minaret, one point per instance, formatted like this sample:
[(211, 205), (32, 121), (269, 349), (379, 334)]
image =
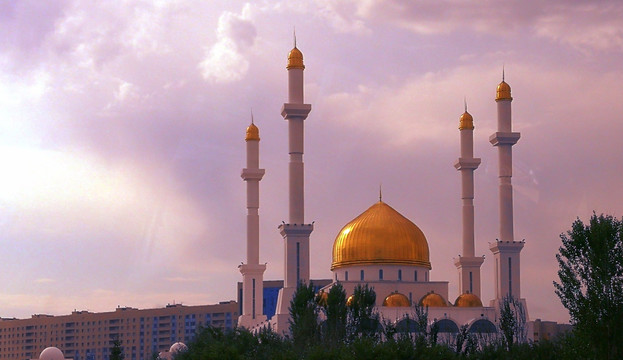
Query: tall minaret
[(252, 271), (468, 264), (505, 250), (295, 232)]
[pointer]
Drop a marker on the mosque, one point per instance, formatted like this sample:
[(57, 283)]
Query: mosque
[(381, 247)]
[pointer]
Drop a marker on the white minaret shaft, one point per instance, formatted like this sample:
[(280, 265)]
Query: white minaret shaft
[(252, 271), (467, 264), (296, 232), (505, 250)]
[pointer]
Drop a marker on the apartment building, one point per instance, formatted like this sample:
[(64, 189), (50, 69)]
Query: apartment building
[(85, 335)]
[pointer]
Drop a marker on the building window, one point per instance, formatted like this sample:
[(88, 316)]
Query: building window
[(346, 276), (510, 278), (471, 282), (361, 275), (298, 262), (425, 276), (253, 299), (380, 274), (399, 275), (415, 275)]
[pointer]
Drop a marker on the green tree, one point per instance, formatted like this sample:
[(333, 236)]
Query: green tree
[(512, 321), (116, 352), (591, 283), (362, 318), (336, 315), (304, 316)]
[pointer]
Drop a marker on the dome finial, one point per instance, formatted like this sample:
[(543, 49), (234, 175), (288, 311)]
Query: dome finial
[(381, 192), (294, 36), (502, 65), (465, 101), (295, 57)]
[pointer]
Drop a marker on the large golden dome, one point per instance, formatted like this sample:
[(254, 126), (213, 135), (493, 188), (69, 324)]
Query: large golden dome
[(380, 235)]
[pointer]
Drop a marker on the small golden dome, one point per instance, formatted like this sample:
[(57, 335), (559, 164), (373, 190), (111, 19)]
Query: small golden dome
[(321, 298), (468, 300), (466, 121), (253, 133), (295, 59), (349, 301), (503, 92), (433, 300), (396, 299), (380, 235)]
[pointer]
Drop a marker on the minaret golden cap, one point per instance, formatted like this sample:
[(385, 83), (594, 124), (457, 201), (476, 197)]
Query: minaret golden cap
[(503, 92), (466, 121), (295, 59), (253, 133)]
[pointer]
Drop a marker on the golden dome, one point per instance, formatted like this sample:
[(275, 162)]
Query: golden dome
[(468, 300), (466, 121), (433, 300), (295, 59), (503, 92), (253, 133), (396, 299), (380, 235)]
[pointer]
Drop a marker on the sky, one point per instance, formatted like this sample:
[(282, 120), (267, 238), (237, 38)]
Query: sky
[(122, 130)]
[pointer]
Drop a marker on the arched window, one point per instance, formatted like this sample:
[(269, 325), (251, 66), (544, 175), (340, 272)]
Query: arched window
[(399, 275), (361, 275), (346, 276), (380, 274), (446, 326), (482, 326)]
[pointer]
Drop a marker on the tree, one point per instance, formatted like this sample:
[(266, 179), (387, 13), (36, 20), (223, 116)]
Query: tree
[(591, 283), (116, 352), (512, 321), (336, 315), (363, 320), (304, 316)]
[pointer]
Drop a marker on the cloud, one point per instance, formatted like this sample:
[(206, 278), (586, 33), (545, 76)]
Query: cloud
[(591, 26), (226, 60)]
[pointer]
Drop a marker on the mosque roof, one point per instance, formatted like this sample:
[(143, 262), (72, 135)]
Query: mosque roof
[(253, 133), (466, 121), (468, 300), (380, 235), (433, 300), (503, 92), (295, 59), (396, 299)]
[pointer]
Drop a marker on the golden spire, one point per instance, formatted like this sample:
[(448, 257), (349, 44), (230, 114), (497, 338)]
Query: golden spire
[(504, 90), (253, 133), (295, 57), (466, 121)]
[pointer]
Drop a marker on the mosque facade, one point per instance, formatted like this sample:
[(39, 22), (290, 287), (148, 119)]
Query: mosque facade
[(380, 247)]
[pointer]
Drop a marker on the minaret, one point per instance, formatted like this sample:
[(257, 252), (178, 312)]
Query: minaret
[(468, 264), (252, 271), (295, 233), (505, 250)]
